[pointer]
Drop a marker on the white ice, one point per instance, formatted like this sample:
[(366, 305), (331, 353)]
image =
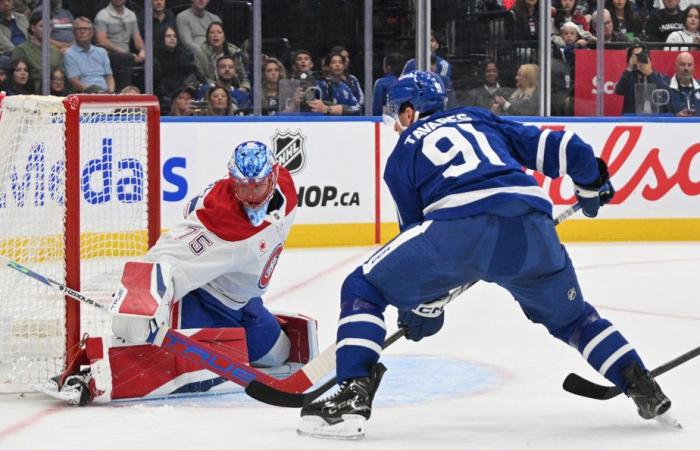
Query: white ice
[(649, 291)]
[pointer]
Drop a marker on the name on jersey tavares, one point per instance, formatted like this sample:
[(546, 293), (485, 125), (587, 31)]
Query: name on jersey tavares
[(429, 127)]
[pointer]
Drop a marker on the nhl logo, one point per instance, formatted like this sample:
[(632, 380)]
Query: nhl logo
[(289, 149)]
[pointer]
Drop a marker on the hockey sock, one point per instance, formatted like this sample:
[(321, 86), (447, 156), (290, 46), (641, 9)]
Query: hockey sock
[(602, 345), (361, 333)]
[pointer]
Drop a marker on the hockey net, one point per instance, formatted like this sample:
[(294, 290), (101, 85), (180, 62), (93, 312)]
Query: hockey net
[(79, 195)]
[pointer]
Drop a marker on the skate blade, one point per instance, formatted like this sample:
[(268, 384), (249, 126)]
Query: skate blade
[(69, 396), (351, 428), (667, 420)]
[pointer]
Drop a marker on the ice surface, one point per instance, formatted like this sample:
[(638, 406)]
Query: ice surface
[(502, 374)]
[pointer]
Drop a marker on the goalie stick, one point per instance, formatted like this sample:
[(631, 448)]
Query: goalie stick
[(578, 385), (276, 394)]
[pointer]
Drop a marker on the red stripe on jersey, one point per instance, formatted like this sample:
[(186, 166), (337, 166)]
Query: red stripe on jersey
[(223, 215)]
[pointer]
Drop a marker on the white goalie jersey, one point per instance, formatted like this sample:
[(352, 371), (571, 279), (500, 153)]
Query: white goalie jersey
[(217, 249)]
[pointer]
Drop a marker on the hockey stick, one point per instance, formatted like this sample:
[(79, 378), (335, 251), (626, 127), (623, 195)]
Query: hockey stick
[(208, 358), (277, 395), (578, 385)]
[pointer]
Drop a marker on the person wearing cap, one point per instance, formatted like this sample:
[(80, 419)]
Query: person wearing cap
[(182, 101), (30, 51), (87, 66)]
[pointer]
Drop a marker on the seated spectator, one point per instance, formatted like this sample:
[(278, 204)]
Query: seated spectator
[(58, 83), (193, 24), (624, 18), (570, 11), (609, 34), (226, 77), (684, 89), (30, 51), (640, 84), (525, 100), (569, 39), (216, 46), (162, 18), (664, 21), (117, 32), (690, 34), (485, 95), (392, 66), (130, 90), (14, 28), (182, 102), (87, 66), (350, 79), (272, 72), (442, 67), (173, 65), (302, 63), (219, 102), (61, 35), (17, 82), (336, 97)]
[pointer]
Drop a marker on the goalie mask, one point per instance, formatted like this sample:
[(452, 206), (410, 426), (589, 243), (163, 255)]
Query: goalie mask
[(253, 170)]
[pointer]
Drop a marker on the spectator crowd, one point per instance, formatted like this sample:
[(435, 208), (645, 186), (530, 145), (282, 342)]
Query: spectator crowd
[(98, 47)]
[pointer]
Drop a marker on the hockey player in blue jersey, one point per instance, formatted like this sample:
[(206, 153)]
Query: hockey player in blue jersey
[(467, 212)]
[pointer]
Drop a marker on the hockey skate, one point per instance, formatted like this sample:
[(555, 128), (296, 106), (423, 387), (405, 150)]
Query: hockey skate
[(651, 402), (343, 415), (75, 389)]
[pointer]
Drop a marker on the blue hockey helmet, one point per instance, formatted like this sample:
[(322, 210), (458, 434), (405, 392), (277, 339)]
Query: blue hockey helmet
[(425, 91), (254, 170)]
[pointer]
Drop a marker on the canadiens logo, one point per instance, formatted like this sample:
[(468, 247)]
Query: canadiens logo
[(289, 149), (262, 246), (269, 267)]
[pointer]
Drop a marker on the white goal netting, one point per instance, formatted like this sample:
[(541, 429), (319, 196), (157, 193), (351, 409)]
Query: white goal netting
[(112, 173)]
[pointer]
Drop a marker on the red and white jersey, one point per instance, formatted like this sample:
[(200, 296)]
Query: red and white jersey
[(217, 249)]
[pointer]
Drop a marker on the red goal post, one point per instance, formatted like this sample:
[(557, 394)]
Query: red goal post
[(79, 195)]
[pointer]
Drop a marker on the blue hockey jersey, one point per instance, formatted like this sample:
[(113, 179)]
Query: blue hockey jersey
[(468, 161)]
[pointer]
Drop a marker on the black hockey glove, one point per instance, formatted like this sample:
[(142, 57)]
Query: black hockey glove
[(591, 197), (422, 321)]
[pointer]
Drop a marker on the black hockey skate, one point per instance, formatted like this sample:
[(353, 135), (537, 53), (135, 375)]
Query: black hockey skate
[(646, 393), (343, 415)]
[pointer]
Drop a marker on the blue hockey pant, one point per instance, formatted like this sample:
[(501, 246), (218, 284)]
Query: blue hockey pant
[(522, 254)]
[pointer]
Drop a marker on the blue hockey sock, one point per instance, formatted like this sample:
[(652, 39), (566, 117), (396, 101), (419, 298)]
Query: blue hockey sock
[(602, 345), (361, 333)]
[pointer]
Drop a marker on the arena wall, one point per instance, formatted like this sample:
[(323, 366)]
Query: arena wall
[(337, 165)]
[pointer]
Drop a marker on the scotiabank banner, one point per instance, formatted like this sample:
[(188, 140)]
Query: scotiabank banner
[(654, 167), (585, 88)]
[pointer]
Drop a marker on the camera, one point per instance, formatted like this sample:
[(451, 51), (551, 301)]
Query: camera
[(643, 57)]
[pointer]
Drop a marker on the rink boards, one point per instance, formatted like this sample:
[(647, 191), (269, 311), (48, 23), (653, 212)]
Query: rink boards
[(337, 166)]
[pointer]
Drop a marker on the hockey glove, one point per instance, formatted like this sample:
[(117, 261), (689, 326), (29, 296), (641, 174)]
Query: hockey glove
[(422, 321), (591, 197)]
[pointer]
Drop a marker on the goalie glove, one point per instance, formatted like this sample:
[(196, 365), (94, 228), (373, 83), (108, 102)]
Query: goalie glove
[(424, 320), (591, 197), (142, 303)]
